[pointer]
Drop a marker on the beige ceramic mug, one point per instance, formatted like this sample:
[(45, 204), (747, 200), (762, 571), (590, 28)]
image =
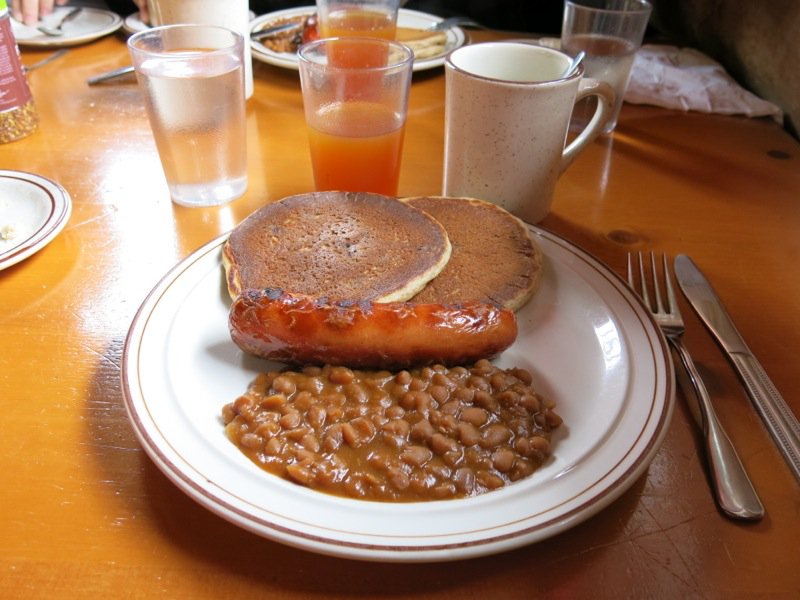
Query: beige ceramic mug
[(507, 111)]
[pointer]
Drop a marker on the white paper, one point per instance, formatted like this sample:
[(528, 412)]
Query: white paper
[(686, 79)]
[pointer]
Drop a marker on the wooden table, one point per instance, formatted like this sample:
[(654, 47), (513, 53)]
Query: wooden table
[(85, 513)]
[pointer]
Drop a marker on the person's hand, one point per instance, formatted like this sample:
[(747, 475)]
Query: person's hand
[(144, 15), (30, 11)]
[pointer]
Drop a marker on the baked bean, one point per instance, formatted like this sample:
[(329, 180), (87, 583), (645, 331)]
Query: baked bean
[(316, 416), (251, 440), (474, 415), (451, 408), (313, 385), (268, 429), (494, 435), (489, 480), (463, 394), (300, 474), (310, 442), (284, 385), (523, 375), (416, 455), (485, 400), (430, 433), (503, 459), (422, 431), (441, 443), (355, 393), (468, 434), (298, 433), (395, 412), (417, 384), (397, 427), (464, 480), (403, 378), (399, 479), (440, 393), (291, 420)]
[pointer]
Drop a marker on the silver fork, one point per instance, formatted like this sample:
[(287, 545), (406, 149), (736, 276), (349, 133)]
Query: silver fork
[(733, 489)]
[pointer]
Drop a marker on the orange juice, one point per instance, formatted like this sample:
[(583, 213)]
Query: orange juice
[(354, 22), (358, 23), (359, 149)]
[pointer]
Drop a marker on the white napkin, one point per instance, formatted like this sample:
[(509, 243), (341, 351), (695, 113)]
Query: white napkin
[(686, 79)]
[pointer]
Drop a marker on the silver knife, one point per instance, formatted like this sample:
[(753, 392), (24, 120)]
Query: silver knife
[(776, 414)]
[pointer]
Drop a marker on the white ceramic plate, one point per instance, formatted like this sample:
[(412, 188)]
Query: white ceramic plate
[(134, 24), (405, 18), (90, 24), (33, 210), (589, 342)]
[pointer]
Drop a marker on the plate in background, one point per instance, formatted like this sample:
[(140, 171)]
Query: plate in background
[(89, 25), (405, 18), (33, 210)]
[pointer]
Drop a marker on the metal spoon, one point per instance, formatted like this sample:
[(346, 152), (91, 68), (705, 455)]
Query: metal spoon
[(574, 64), (57, 31), (47, 59)]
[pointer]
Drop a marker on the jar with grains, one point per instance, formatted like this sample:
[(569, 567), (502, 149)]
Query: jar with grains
[(18, 116)]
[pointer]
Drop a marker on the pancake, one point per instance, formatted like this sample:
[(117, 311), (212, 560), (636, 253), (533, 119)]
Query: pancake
[(494, 257), (339, 245), (423, 43)]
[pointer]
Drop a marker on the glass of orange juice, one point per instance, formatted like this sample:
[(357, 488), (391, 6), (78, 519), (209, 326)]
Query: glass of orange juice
[(357, 18), (360, 18), (356, 113)]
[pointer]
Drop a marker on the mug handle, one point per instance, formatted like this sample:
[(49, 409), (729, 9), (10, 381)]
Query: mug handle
[(605, 100)]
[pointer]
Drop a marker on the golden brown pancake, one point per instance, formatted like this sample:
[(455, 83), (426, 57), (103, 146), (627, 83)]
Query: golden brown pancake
[(423, 43), (494, 257), (339, 245)]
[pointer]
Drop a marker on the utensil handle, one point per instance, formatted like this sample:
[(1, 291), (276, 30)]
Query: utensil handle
[(109, 75), (734, 491), (776, 414)]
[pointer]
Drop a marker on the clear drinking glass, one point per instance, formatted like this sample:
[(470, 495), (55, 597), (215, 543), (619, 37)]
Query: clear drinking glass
[(192, 77), (370, 18), (355, 94), (610, 32)]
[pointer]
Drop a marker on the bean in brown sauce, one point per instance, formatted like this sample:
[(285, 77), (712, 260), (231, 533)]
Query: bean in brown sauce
[(426, 434)]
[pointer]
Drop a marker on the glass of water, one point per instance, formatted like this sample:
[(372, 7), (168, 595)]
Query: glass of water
[(610, 32), (192, 77)]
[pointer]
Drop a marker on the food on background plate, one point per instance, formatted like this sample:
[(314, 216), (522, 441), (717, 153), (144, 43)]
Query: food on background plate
[(423, 43), (494, 257), (284, 327), (338, 245), (427, 434)]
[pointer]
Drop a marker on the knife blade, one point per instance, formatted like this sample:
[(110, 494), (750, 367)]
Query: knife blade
[(263, 34), (770, 405)]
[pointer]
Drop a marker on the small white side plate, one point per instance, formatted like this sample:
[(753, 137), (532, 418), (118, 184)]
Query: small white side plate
[(33, 210), (90, 24)]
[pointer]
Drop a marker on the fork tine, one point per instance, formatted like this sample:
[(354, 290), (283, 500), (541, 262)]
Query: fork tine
[(630, 273), (645, 293), (673, 304), (656, 286)]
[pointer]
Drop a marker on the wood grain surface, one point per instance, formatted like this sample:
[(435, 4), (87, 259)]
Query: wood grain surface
[(85, 513)]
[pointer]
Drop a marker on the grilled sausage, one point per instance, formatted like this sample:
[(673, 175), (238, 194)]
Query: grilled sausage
[(276, 325)]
